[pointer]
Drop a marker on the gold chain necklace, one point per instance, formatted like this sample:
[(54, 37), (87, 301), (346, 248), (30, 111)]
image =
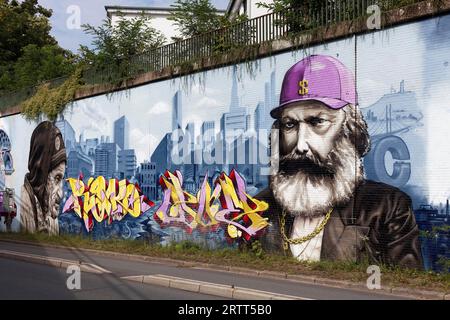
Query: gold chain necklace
[(317, 230)]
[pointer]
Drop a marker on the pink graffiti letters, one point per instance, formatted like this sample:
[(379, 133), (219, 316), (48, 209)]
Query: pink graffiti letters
[(227, 204)]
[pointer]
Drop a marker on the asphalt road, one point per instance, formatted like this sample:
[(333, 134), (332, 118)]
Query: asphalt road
[(30, 281), (33, 281)]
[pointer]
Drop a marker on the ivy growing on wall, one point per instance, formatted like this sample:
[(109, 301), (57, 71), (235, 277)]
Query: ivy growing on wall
[(50, 102)]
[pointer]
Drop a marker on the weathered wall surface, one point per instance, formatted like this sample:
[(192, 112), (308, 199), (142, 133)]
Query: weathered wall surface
[(98, 168)]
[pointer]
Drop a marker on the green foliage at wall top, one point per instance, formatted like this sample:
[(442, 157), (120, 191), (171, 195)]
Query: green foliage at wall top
[(115, 47), (196, 17), (51, 101)]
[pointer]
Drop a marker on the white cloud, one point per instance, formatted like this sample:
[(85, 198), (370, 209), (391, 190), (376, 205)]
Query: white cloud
[(143, 144), (370, 90), (207, 102), (96, 120), (159, 108), (200, 90)]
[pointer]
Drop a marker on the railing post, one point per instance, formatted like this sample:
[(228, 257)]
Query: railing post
[(165, 49), (272, 25), (321, 16), (258, 30)]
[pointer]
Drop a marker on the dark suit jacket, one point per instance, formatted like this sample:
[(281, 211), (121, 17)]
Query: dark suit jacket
[(376, 224)]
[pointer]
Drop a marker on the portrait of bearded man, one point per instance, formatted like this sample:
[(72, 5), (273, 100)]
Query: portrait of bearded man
[(42, 191), (321, 207)]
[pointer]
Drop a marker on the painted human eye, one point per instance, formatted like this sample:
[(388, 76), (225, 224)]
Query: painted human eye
[(58, 178), (289, 124), (316, 121)]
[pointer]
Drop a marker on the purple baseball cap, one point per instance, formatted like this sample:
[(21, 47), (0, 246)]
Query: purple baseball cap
[(321, 78)]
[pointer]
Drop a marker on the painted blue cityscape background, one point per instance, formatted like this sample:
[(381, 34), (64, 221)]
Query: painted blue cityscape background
[(403, 82), (390, 119)]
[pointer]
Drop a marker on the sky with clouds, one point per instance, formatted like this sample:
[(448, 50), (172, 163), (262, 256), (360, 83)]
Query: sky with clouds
[(93, 12)]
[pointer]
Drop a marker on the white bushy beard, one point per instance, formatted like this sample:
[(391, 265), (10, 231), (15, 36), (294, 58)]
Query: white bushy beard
[(312, 195)]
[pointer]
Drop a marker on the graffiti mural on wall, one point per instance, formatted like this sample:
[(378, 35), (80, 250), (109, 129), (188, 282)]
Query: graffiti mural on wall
[(8, 207), (100, 200), (328, 195), (6, 160), (236, 211)]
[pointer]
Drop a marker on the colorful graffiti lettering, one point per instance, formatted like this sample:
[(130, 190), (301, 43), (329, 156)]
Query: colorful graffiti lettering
[(228, 205), (102, 200)]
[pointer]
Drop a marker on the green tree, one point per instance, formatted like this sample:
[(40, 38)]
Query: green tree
[(280, 5), (298, 14), (116, 47), (232, 34), (21, 24), (214, 32), (47, 62), (194, 17), (28, 53)]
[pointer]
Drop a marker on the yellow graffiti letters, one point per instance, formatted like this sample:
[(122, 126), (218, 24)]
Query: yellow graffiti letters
[(101, 200)]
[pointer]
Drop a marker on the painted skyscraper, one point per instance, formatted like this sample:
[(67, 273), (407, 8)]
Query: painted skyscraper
[(234, 122), (106, 160), (122, 132), (208, 133), (127, 163), (190, 134), (177, 118), (262, 112), (67, 132), (146, 175), (234, 103)]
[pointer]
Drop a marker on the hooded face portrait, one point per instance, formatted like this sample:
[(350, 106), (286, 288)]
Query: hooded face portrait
[(42, 191)]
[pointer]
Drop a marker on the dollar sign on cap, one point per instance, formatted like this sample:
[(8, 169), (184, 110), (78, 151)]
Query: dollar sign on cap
[(303, 87)]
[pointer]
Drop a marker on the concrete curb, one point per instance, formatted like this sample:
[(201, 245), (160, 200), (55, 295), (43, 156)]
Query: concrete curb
[(424, 294), (220, 290), (342, 284), (54, 262)]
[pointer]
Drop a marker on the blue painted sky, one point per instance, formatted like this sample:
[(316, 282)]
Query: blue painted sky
[(93, 12)]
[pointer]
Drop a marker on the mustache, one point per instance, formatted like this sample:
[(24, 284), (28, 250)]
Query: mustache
[(309, 164)]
